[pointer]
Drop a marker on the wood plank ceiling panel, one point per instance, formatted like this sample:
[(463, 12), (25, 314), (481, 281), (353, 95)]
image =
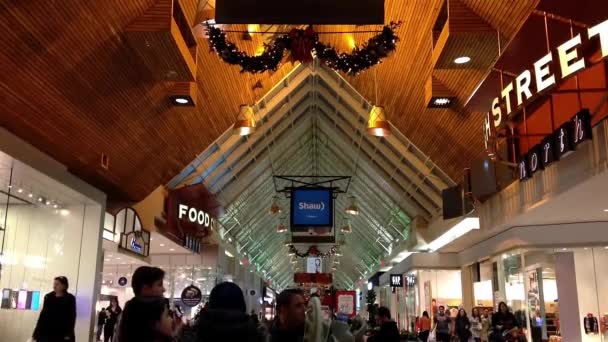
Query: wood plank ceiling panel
[(75, 89)]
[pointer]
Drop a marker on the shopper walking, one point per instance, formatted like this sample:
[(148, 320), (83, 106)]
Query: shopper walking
[(225, 319), (463, 326), (146, 319), (289, 323), (475, 325), (101, 320), (425, 327), (442, 326), (58, 316), (113, 313)]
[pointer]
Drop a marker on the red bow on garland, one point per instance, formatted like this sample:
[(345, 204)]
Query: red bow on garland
[(302, 43)]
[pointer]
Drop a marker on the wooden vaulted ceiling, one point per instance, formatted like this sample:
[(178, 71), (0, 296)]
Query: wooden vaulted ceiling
[(74, 88)]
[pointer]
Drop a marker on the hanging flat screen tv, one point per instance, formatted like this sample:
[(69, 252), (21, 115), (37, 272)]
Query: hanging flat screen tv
[(311, 207)]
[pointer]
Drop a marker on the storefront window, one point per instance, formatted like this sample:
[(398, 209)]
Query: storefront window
[(47, 230)]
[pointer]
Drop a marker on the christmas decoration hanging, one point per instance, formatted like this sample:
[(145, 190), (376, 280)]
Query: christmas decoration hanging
[(302, 44), (313, 251)]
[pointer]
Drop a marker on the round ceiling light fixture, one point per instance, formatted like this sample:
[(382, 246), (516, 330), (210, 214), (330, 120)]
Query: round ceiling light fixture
[(181, 100), (245, 122), (462, 60)]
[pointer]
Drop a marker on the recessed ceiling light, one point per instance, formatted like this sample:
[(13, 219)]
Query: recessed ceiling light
[(564, 249), (181, 100), (48, 202), (441, 101), (171, 249), (162, 245), (64, 212), (151, 239), (30, 195), (55, 206), (39, 199), (462, 60), (606, 210), (117, 258), (20, 190)]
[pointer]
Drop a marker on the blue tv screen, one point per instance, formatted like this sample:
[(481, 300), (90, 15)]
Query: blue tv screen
[(312, 207)]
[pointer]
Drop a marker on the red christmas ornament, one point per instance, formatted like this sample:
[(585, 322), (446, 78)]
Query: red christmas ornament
[(313, 251), (302, 43)]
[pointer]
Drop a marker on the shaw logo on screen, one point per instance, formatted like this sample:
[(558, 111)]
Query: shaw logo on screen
[(311, 206)]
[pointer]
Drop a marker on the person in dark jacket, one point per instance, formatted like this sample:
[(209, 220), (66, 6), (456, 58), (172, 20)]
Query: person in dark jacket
[(58, 315), (113, 312), (101, 320), (388, 328), (463, 326), (146, 319), (225, 319), (502, 322), (290, 321)]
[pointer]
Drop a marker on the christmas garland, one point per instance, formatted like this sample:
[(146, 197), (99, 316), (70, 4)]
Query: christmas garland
[(313, 251), (302, 43)]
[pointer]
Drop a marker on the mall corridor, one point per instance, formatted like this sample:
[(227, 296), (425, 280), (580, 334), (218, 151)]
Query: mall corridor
[(319, 171)]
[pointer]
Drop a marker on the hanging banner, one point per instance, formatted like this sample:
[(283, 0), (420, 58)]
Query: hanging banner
[(316, 278)]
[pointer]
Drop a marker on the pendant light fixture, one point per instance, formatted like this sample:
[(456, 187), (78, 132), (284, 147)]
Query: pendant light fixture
[(275, 208), (346, 228), (245, 122), (352, 209), (282, 227), (377, 124)]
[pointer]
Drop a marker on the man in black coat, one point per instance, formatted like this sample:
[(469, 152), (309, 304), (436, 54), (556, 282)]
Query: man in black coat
[(58, 316), (388, 328)]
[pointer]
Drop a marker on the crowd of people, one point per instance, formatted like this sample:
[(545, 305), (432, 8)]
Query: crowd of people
[(501, 326), (148, 317)]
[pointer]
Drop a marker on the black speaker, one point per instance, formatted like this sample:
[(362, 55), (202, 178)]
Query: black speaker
[(483, 178), (452, 202)]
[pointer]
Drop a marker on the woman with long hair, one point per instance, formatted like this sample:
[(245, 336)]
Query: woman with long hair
[(503, 322), (146, 319), (58, 315), (112, 313), (463, 326), (476, 324), (425, 326)]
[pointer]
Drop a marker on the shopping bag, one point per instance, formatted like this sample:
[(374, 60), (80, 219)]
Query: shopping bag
[(432, 337)]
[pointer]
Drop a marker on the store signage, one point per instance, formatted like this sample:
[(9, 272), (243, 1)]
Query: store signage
[(191, 296), (396, 280), (568, 63), (193, 215), (410, 280), (557, 145), (190, 214), (134, 245)]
